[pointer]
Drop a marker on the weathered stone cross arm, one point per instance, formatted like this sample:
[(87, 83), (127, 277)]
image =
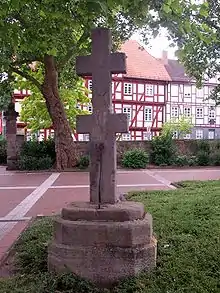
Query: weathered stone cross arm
[(101, 57), (84, 64), (115, 123)]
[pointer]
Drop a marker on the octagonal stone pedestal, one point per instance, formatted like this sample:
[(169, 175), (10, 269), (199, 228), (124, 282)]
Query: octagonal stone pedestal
[(103, 245)]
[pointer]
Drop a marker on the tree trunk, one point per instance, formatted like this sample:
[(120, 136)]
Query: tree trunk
[(64, 144)]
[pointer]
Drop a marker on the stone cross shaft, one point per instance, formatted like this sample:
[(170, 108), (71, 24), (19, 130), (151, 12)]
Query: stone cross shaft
[(102, 124)]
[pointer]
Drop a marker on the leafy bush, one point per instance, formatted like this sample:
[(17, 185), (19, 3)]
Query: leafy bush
[(35, 163), (204, 146), (203, 158), (214, 158), (163, 150), (183, 160), (3, 152), (192, 161), (37, 155), (39, 149), (83, 162), (135, 159)]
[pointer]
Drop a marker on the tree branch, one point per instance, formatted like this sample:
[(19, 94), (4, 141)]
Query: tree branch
[(27, 76)]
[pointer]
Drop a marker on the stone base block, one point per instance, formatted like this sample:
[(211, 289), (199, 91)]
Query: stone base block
[(121, 234), (104, 266), (120, 212), (103, 245)]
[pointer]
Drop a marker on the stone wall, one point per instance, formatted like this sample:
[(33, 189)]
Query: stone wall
[(188, 147), (184, 147), (122, 146)]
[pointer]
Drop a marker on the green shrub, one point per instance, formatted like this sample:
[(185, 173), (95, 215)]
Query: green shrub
[(39, 149), (163, 150), (83, 162), (135, 159), (34, 163), (37, 155), (192, 161), (203, 158), (214, 158), (3, 152), (204, 146), (183, 160)]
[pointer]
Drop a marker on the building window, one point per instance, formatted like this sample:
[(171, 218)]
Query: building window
[(126, 136), (128, 88), (187, 136), (187, 112), (199, 93), (86, 137), (187, 94), (127, 110), (174, 112), (211, 134), (199, 112), (147, 136), (149, 88), (89, 108), (78, 106), (90, 85), (148, 114), (199, 133), (212, 113), (175, 134)]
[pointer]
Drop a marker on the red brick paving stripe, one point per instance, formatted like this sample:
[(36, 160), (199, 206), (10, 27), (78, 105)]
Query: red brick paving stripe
[(181, 175), (9, 199), (23, 180), (23, 207)]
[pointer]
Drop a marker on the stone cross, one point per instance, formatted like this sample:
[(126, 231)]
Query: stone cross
[(102, 124)]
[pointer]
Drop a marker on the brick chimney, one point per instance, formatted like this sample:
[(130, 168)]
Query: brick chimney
[(165, 57)]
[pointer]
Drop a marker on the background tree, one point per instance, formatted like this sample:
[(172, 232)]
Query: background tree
[(52, 33), (182, 125), (195, 28), (33, 108)]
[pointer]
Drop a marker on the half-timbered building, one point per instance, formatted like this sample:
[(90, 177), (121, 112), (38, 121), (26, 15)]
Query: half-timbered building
[(153, 91), (184, 98), (141, 93)]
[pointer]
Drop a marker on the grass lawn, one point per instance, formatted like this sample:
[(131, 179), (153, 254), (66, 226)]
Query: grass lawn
[(187, 226)]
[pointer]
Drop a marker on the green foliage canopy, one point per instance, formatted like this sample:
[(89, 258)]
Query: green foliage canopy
[(33, 108), (195, 28), (182, 125), (31, 30)]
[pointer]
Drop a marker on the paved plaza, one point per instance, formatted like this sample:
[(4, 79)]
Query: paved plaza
[(26, 195)]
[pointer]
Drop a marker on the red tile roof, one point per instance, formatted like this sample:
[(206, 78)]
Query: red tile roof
[(140, 64)]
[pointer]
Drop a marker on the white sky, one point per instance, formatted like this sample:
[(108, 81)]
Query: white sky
[(157, 45)]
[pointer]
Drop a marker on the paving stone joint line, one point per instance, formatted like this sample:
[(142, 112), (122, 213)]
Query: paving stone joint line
[(22, 208)]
